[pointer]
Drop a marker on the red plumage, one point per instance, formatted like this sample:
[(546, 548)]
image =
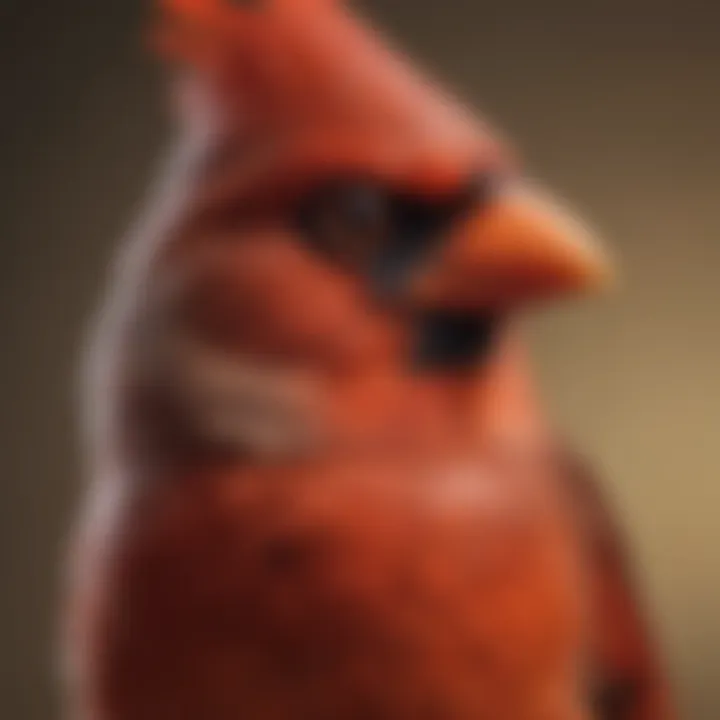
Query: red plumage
[(323, 484)]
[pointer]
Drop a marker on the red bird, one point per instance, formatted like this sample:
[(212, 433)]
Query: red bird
[(323, 487)]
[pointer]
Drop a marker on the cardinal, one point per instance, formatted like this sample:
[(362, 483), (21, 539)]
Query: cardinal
[(322, 485)]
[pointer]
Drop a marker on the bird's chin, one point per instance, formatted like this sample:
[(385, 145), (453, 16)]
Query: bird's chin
[(454, 341)]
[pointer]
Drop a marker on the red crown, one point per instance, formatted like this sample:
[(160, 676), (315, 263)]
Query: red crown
[(310, 81)]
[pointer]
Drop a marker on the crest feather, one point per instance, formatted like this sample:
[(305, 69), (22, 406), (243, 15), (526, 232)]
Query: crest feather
[(195, 31)]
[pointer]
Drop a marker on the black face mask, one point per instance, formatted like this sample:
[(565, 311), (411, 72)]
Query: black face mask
[(385, 236)]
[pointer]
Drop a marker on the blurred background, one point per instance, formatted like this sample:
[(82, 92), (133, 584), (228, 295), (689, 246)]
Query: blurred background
[(614, 104)]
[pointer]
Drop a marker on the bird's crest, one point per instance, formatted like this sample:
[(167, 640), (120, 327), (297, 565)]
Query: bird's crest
[(312, 78), (195, 31)]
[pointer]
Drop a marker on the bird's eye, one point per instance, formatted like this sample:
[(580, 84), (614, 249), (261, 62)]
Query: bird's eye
[(348, 222)]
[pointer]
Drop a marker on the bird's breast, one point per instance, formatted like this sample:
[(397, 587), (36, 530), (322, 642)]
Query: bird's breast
[(433, 587)]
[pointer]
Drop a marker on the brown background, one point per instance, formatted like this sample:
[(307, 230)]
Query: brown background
[(617, 105)]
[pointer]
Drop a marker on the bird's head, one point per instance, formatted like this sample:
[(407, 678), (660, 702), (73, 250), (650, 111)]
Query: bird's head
[(347, 217)]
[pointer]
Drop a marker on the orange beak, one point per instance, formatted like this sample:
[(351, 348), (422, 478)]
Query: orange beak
[(521, 248)]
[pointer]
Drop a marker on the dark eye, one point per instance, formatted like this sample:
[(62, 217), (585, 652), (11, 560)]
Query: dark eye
[(348, 222)]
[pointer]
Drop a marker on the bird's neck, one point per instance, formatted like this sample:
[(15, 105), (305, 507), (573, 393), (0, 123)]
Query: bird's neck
[(379, 408)]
